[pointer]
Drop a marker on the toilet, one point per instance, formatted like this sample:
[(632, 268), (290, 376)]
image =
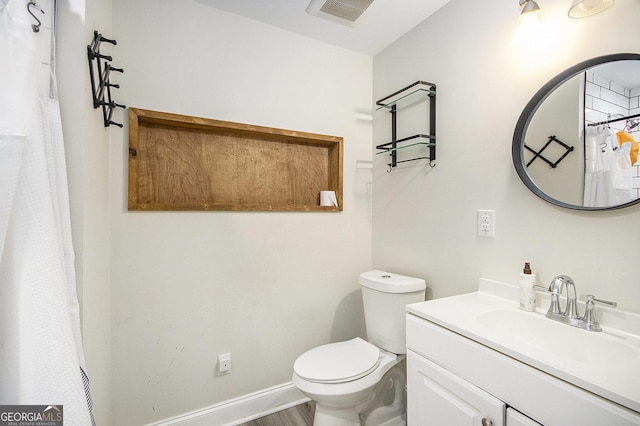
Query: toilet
[(360, 382)]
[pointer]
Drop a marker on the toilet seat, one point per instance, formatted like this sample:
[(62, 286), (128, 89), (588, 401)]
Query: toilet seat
[(338, 362)]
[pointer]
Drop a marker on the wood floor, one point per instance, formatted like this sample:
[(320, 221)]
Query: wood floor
[(300, 415)]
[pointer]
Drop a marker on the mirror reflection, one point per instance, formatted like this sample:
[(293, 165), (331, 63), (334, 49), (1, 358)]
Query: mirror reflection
[(579, 148)]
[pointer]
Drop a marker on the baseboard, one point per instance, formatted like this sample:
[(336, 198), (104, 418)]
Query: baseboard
[(242, 409)]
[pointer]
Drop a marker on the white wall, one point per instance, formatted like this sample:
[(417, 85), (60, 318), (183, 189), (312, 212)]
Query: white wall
[(425, 219), (186, 286), (87, 154)]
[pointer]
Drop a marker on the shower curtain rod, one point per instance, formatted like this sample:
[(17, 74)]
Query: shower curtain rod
[(613, 120)]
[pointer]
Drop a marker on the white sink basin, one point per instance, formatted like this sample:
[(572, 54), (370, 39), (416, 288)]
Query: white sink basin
[(606, 363), (541, 333)]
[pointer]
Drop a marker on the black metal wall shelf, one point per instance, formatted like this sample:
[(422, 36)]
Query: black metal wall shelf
[(416, 92), (100, 71)]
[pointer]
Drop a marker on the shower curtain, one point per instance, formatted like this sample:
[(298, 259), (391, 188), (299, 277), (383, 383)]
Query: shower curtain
[(41, 356), (608, 173)]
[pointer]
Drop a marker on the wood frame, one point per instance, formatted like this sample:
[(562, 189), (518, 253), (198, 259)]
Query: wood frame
[(179, 162)]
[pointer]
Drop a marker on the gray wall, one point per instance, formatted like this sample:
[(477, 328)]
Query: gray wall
[(164, 293), (425, 219), (186, 286)]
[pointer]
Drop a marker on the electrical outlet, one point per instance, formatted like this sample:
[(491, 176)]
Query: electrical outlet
[(224, 363), (487, 223)]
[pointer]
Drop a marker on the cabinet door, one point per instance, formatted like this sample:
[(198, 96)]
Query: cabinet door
[(516, 418), (437, 397)]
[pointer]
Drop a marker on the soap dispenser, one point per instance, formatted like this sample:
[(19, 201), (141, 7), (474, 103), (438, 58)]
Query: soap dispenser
[(527, 291)]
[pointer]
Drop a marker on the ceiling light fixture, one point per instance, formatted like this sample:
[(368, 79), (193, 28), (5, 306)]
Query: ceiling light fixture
[(584, 8)]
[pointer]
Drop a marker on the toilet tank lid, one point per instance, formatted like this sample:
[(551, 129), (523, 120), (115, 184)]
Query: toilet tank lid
[(388, 282)]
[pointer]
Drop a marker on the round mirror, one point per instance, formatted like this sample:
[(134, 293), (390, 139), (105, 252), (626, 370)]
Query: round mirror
[(575, 144)]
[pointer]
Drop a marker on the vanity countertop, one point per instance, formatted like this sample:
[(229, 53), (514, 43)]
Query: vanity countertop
[(605, 363)]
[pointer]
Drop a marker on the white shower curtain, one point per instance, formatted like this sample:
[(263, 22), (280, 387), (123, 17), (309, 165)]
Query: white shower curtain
[(608, 180), (41, 357)]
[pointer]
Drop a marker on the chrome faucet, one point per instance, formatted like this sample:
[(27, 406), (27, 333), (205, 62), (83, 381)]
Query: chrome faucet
[(556, 286), (570, 315), (590, 321)]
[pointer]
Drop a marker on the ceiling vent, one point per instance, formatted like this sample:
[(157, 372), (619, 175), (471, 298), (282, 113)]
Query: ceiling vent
[(344, 12)]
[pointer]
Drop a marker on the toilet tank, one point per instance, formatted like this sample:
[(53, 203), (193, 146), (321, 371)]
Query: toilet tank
[(384, 296)]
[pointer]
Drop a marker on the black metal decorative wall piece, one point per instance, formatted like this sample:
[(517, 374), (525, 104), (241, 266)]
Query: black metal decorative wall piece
[(538, 154), (100, 70)]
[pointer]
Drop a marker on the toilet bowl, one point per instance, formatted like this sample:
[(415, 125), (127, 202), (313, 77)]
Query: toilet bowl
[(339, 401), (360, 382)]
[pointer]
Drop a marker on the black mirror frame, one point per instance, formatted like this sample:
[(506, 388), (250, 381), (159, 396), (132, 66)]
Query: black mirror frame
[(517, 147)]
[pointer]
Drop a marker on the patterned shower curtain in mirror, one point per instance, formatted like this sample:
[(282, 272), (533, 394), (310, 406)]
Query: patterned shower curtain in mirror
[(41, 356)]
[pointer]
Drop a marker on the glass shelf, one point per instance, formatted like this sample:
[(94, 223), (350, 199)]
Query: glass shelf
[(395, 99), (415, 93), (429, 141)]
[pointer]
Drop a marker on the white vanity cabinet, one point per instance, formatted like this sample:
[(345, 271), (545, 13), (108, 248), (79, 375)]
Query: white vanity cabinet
[(453, 380), (438, 397), (516, 418)]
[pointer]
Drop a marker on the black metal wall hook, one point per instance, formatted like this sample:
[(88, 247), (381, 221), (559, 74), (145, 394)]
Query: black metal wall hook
[(100, 70), (34, 27)]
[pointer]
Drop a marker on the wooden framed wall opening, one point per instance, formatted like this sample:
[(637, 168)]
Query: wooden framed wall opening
[(179, 162)]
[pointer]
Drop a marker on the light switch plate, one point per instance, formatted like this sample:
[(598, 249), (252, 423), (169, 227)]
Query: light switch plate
[(224, 363)]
